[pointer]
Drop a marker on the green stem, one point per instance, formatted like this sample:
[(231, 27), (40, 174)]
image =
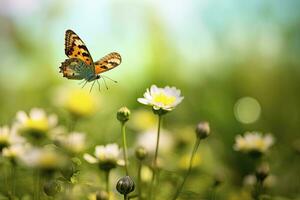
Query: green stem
[(125, 196), (73, 123), (213, 193), (37, 185), (257, 190), (139, 180), (107, 180), (13, 179), (124, 147), (189, 169), (155, 156)]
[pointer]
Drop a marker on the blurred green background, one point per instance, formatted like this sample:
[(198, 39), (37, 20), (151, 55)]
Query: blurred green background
[(216, 52)]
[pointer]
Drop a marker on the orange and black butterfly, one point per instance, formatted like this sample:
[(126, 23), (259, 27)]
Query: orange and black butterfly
[(80, 64)]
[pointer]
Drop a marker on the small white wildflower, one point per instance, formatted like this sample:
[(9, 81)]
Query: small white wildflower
[(14, 152), (166, 98), (73, 142), (9, 137), (107, 157), (43, 158), (253, 142), (37, 123), (148, 138)]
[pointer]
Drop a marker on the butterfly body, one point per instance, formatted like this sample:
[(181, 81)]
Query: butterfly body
[(80, 64)]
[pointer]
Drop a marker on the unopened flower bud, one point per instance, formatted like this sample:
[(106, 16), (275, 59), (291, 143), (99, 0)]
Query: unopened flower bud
[(141, 153), (202, 130), (262, 172), (102, 195), (52, 187), (125, 185), (123, 114)]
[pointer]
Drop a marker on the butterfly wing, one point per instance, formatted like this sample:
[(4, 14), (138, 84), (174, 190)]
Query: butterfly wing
[(74, 68), (108, 62), (75, 48)]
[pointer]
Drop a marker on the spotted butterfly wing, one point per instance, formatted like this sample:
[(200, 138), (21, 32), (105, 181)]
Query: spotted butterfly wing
[(75, 48), (75, 68), (108, 62)]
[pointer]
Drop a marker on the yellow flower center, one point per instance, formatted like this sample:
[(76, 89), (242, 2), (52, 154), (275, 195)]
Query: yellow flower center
[(37, 124), (164, 99), (260, 144), (80, 103)]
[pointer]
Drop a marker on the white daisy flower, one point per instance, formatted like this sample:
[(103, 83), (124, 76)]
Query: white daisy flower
[(14, 152), (148, 138), (107, 157), (253, 142), (37, 123), (73, 142), (162, 98), (9, 137), (46, 158)]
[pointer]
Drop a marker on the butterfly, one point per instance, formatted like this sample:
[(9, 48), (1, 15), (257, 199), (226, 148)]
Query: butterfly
[(80, 65)]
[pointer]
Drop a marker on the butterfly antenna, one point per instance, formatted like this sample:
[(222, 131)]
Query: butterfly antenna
[(105, 83), (92, 86), (98, 85), (110, 79), (84, 84)]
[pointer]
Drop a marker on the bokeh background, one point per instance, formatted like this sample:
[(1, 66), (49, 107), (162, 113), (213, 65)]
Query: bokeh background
[(236, 63)]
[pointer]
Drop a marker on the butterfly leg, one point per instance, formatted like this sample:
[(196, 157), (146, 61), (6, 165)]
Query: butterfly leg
[(105, 83), (99, 88), (84, 84), (81, 82), (109, 79), (92, 86)]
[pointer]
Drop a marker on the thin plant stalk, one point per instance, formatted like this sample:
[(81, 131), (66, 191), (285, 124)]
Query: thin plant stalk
[(155, 157), (13, 179), (73, 123), (257, 190), (189, 169), (37, 185), (139, 180), (124, 147), (107, 180)]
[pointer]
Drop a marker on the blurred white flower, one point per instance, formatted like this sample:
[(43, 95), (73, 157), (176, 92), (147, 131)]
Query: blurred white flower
[(73, 142), (253, 142), (14, 152), (162, 98), (249, 180), (8, 137), (107, 157), (148, 138), (37, 123), (45, 158)]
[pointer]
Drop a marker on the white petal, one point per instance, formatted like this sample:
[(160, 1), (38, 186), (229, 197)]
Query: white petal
[(52, 119), (143, 101), (154, 89), (89, 158), (22, 117), (37, 113)]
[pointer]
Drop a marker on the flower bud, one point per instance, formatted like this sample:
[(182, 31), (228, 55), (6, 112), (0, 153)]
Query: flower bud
[(262, 172), (141, 153), (102, 195), (52, 187), (125, 185), (123, 114), (202, 130)]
